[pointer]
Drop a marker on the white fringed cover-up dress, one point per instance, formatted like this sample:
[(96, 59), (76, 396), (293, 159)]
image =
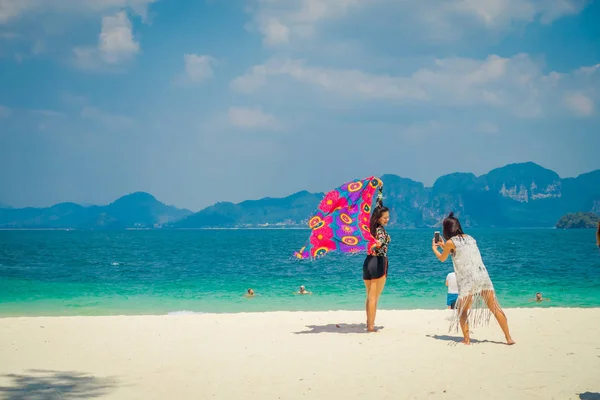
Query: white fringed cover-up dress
[(472, 278)]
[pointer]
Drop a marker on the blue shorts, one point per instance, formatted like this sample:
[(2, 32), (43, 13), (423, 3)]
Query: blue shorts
[(451, 299)]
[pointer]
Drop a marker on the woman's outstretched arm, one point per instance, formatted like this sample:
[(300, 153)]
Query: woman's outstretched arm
[(447, 248)]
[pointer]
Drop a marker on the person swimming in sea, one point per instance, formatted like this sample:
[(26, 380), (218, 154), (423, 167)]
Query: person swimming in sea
[(249, 293), (303, 290), (539, 298)]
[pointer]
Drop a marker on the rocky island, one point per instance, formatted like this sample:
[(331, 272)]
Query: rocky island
[(580, 220)]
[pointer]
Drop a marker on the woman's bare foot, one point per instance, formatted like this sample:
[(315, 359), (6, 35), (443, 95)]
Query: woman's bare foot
[(466, 341), (509, 341), (371, 329)]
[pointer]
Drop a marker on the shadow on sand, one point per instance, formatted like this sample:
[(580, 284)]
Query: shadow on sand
[(458, 339), (589, 396), (38, 384), (337, 328)]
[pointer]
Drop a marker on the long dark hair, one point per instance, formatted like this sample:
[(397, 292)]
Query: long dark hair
[(377, 213), (451, 227), (598, 231)]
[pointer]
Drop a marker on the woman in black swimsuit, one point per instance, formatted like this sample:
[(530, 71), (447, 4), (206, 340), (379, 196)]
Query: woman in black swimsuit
[(376, 264)]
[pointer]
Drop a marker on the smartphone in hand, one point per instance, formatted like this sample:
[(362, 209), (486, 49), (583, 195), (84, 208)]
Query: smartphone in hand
[(436, 236)]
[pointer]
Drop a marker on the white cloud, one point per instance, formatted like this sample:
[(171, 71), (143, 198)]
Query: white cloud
[(111, 121), (517, 84), (199, 68), (279, 22), (5, 112), (116, 39), (501, 13), (587, 71), (10, 9), (39, 26), (13, 9), (252, 118), (255, 78), (580, 104), (455, 79), (274, 32), (116, 44)]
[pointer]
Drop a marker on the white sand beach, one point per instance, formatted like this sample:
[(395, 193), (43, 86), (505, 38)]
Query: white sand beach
[(300, 355)]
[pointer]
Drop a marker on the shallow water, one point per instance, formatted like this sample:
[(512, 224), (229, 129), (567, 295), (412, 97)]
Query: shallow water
[(158, 272)]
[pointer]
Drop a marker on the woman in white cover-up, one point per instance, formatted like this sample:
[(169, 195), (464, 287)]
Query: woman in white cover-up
[(474, 284)]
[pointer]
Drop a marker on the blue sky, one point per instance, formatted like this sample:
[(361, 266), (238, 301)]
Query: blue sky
[(203, 101)]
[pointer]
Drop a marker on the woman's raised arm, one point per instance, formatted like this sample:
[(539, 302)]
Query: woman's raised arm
[(447, 248)]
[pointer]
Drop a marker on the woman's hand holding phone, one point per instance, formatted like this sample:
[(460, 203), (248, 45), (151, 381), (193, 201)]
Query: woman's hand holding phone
[(439, 243)]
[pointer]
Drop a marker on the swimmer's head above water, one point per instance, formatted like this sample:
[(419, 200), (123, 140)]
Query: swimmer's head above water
[(303, 290)]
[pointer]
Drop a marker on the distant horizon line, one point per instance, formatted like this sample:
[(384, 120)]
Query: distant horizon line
[(273, 229)]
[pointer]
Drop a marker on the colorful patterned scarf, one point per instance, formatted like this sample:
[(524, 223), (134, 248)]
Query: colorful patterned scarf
[(341, 221)]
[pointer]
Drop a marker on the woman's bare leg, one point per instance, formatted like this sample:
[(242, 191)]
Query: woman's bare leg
[(368, 287), (373, 295), (463, 307), (380, 286), (490, 299)]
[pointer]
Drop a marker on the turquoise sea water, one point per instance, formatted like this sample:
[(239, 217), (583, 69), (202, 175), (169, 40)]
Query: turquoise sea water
[(159, 272)]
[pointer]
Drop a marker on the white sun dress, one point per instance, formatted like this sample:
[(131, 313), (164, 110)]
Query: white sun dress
[(472, 278)]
